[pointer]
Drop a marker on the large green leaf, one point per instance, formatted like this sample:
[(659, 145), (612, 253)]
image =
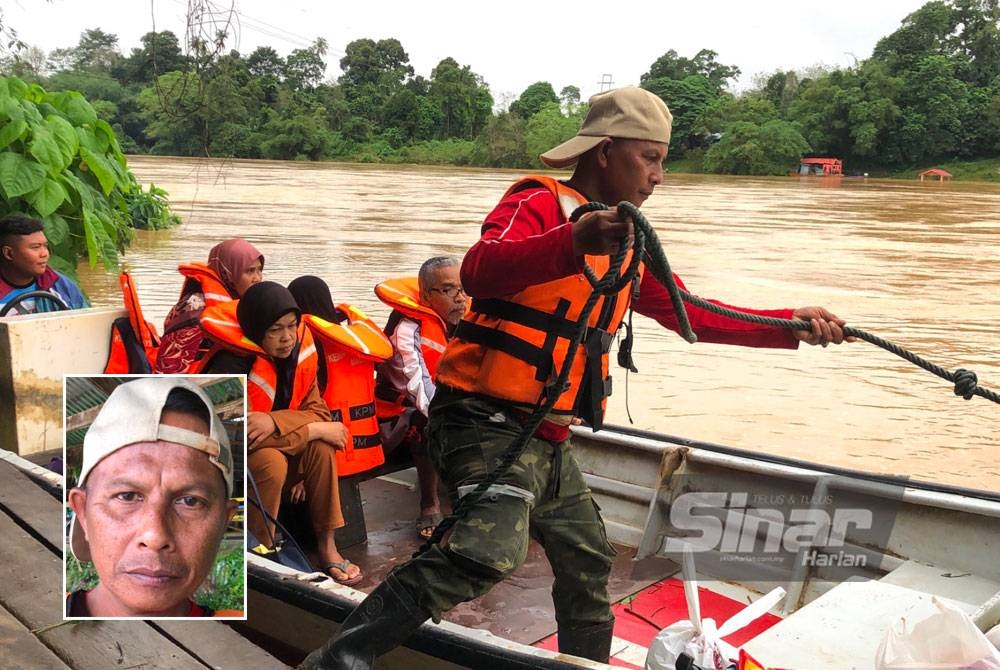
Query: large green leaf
[(79, 111), (12, 130), (65, 136), (93, 140), (56, 229), (19, 175), (48, 197), (100, 168), (15, 87), (44, 147), (10, 109)]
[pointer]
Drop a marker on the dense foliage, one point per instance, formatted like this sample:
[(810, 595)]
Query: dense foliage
[(930, 92), (61, 163)]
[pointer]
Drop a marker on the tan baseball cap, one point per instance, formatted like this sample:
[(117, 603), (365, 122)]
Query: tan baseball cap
[(629, 112), (131, 415)]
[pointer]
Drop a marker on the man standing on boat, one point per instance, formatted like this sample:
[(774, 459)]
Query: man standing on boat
[(25, 275), (526, 280)]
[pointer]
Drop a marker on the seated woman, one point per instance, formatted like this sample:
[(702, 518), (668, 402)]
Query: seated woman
[(349, 346), (233, 266), (291, 441)]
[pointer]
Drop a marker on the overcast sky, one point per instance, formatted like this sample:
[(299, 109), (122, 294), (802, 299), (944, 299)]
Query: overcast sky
[(513, 43)]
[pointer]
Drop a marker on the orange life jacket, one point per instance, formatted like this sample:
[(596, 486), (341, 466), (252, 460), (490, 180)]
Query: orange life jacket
[(220, 322), (350, 351), (211, 285), (513, 349), (403, 295), (134, 341)]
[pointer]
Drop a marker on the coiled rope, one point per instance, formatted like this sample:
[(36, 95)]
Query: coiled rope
[(646, 244)]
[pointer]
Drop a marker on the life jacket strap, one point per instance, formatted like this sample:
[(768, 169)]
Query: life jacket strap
[(356, 412)]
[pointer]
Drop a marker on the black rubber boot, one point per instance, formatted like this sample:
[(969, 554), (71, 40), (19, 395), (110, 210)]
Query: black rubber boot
[(378, 625), (592, 642)]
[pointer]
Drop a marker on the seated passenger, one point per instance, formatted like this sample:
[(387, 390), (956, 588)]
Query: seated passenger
[(233, 266), (349, 345), (291, 441), (24, 268), (425, 313)]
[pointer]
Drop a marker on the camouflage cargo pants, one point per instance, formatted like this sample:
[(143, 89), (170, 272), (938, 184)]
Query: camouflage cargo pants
[(468, 436)]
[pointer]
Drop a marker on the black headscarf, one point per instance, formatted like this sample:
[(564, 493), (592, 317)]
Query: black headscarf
[(313, 297), (262, 305)]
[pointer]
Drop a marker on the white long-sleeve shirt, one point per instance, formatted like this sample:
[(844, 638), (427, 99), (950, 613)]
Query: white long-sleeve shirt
[(407, 370)]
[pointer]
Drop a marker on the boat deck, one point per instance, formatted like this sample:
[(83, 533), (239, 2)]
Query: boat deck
[(32, 631), (520, 608)]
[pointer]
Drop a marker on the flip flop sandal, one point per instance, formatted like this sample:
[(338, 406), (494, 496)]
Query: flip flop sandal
[(427, 521), (343, 566)]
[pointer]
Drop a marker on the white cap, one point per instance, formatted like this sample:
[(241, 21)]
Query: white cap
[(131, 415)]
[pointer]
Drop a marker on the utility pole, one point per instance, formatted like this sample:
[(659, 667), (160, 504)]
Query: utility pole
[(606, 83)]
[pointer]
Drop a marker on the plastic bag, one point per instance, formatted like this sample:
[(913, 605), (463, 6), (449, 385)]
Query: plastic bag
[(702, 639), (946, 639)]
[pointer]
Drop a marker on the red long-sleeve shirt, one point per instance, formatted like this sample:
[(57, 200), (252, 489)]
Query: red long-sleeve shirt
[(525, 242)]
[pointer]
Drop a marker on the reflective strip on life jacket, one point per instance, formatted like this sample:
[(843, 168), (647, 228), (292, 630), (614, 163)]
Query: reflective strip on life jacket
[(403, 295), (350, 351), (513, 349), (262, 380)]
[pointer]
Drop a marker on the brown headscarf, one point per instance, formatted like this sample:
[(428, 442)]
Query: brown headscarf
[(231, 258)]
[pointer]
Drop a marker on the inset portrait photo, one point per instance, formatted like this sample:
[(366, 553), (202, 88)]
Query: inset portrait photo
[(154, 497)]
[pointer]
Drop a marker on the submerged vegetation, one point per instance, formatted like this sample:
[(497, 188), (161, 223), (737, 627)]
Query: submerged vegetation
[(929, 94)]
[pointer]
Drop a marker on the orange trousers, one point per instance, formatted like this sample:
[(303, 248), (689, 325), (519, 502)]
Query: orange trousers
[(277, 469)]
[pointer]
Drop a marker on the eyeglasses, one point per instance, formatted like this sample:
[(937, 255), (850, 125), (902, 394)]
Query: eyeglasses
[(450, 291)]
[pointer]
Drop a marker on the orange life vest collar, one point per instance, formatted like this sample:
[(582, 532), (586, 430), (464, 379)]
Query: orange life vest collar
[(403, 295), (350, 351), (211, 285), (358, 334)]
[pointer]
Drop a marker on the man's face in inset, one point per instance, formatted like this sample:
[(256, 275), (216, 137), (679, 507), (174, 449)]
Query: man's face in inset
[(444, 294), (154, 514)]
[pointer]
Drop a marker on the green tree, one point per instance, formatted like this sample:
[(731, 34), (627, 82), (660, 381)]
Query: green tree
[(160, 53), (746, 148), (461, 96), (305, 68), (688, 99), (533, 99), (570, 98), (372, 73), (546, 128), (673, 66), (97, 51), (501, 144)]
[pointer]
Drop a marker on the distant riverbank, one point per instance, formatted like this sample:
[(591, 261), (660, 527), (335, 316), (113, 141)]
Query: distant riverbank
[(984, 169)]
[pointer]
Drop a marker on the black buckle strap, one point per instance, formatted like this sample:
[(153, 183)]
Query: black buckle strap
[(356, 412), (555, 323), (508, 344), (367, 441)]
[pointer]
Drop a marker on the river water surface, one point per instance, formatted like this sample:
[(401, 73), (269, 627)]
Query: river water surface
[(915, 263)]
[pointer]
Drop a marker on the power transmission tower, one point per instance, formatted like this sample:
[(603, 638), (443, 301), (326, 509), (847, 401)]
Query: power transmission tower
[(606, 83)]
